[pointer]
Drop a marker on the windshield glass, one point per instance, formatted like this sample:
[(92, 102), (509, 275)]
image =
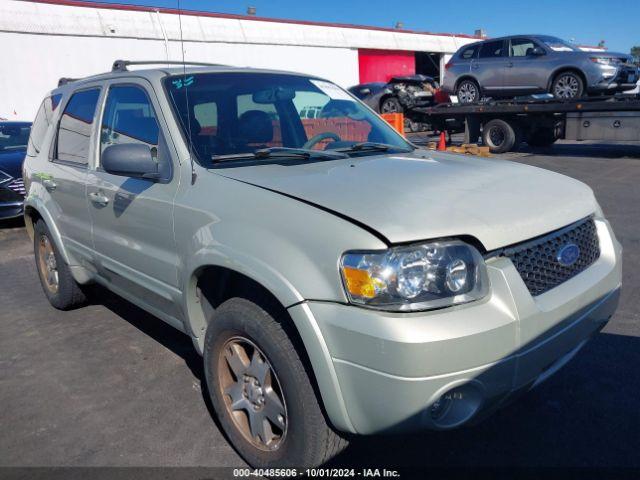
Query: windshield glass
[(241, 113), (558, 45), (14, 136)]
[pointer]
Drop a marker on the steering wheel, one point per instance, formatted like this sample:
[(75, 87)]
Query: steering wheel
[(320, 137)]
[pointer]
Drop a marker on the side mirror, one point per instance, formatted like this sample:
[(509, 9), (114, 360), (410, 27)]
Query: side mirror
[(130, 160), (537, 51)]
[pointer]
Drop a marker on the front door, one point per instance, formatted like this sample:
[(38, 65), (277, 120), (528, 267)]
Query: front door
[(525, 72), (133, 217)]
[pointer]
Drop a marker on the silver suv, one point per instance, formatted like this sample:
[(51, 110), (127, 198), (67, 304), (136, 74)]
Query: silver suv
[(335, 278), (525, 64)]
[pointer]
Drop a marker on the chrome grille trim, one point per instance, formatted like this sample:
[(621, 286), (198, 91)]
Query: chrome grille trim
[(536, 260)]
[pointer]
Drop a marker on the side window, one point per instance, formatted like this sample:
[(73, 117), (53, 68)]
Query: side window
[(41, 124), (491, 49), (258, 123), (74, 133), (206, 114), (469, 53), (128, 118), (521, 47)]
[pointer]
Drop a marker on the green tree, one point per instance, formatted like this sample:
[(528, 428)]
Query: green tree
[(635, 51)]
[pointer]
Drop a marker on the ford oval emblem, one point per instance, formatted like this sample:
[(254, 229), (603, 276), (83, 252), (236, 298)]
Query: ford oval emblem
[(568, 254)]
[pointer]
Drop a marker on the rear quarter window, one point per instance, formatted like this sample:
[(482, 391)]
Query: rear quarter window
[(44, 120), (469, 52)]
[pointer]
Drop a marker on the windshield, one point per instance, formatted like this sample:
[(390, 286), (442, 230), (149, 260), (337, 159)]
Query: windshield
[(558, 45), (230, 114), (14, 137)]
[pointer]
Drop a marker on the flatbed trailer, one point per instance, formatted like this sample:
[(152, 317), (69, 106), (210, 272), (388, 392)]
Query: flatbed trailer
[(537, 120)]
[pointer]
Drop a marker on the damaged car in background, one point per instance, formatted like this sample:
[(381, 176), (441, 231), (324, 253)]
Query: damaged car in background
[(399, 95)]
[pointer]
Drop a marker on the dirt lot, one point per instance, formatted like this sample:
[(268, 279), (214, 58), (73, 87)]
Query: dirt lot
[(111, 385)]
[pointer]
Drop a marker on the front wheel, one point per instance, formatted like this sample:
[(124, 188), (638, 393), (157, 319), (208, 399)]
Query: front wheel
[(391, 105), (262, 392), (567, 85)]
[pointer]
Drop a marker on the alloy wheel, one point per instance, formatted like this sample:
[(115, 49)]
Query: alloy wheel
[(467, 92), (48, 264), (566, 87), (252, 393)]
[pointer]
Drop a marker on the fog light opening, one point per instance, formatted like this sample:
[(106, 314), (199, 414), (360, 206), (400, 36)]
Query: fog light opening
[(456, 406)]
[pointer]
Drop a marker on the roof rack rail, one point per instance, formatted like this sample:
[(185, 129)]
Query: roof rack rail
[(121, 65), (65, 80)]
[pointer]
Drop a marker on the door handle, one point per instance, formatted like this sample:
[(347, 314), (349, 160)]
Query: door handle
[(98, 199), (510, 64), (49, 184)]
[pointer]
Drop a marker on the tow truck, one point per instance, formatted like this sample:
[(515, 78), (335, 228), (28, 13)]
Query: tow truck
[(538, 120)]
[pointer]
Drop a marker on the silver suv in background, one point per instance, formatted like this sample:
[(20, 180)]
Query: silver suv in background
[(335, 278), (525, 64)]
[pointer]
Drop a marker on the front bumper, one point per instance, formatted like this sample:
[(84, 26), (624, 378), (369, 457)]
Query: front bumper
[(390, 368), (11, 199), (614, 79)]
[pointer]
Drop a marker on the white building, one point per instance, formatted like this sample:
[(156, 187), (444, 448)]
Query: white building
[(45, 40)]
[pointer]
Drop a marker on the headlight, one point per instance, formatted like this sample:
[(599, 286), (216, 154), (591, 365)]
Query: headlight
[(417, 277), (605, 60)]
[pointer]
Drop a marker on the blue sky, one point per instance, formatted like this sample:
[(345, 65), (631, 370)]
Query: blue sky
[(586, 21)]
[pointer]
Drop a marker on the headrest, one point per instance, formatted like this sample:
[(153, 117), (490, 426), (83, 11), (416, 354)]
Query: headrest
[(255, 126)]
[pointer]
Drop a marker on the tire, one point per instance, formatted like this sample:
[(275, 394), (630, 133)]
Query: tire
[(58, 284), (468, 91), (391, 105), (302, 437), (543, 137), (499, 136), (567, 85)]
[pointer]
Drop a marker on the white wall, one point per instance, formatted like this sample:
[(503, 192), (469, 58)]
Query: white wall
[(43, 42), (37, 62)]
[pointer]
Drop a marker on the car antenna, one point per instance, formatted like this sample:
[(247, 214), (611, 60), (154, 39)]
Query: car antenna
[(186, 98)]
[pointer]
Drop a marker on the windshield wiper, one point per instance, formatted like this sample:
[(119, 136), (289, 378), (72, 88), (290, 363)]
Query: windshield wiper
[(361, 146), (279, 152)]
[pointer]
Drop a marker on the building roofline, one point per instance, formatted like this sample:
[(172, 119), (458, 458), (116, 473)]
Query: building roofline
[(233, 16)]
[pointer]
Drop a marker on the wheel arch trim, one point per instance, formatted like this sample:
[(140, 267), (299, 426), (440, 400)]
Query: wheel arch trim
[(567, 68), (34, 208), (299, 312)]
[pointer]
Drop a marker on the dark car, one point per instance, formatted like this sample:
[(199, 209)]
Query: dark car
[(14, 137), (399, 95), (526, 64)]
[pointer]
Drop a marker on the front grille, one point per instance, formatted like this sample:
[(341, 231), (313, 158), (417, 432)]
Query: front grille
[(17, 186), (537, 260)]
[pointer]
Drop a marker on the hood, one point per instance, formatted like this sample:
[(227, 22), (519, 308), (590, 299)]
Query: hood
[(427, 195), (11, 162), (621, 56)]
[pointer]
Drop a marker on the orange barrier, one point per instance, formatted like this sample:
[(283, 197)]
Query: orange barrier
[(396, 120)]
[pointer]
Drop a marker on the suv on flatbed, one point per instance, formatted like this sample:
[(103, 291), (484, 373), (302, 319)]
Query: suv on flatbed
[(336, 279)]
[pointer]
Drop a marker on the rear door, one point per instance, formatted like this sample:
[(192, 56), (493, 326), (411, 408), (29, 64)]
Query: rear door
[(65, 179), (133, 217), (489, 67), (525, 73)]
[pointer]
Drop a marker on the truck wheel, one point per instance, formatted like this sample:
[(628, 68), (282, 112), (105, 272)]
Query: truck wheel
[(567, 85), (58, 284), (543, 137), (468, 91), (499, 136), (391, 105), (261, 391)]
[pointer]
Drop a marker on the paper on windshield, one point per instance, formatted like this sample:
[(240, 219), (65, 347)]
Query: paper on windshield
[(331, 90)]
